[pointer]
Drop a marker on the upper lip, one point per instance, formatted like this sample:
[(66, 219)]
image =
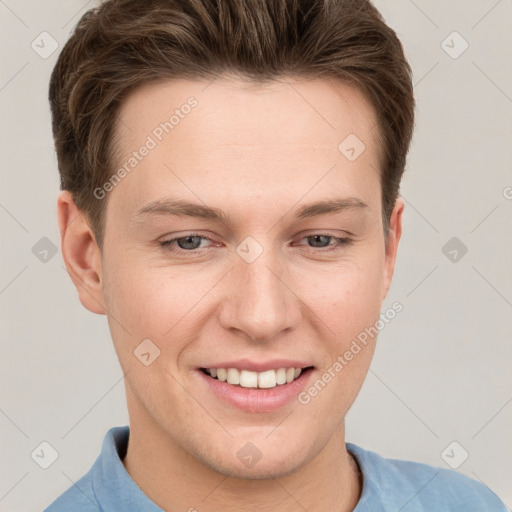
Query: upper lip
[(261, 366)]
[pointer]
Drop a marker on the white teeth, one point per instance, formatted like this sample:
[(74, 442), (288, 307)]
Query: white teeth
[(248, 379), (281, 376), (267, 379), (233, 376)]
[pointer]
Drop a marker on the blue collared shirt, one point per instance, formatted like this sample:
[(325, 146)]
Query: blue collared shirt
[(388, 485)]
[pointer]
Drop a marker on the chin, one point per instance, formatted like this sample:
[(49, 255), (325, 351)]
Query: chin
[(266, 468), (256, 457)]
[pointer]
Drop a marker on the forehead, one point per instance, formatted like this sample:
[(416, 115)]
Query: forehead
[(250, 113), (229, 137)]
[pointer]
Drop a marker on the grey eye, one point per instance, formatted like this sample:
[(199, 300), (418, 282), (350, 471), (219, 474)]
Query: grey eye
[(320, 240), (191, 242)]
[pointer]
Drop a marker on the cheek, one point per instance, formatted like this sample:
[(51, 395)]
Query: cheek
[(347, 297), (149, 301), (168, 306), (348, 303)]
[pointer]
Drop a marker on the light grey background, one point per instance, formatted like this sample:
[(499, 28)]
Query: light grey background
[(442, 369)]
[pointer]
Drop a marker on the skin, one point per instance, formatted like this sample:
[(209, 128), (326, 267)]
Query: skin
[(258, 153)]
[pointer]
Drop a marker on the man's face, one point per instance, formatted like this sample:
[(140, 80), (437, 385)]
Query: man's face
[(264, 283)]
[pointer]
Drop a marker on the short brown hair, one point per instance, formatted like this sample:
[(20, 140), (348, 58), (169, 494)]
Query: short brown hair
[(123, 44)]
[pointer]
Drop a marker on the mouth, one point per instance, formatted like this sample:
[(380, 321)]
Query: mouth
[(256, 387), (268, 379)]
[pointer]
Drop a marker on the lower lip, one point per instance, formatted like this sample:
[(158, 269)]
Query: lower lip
[(256, 399)]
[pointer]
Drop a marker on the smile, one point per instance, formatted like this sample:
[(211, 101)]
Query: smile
[(251, 379)]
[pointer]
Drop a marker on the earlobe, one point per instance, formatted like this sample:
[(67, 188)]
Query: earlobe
[(393, 239), (81, 253)]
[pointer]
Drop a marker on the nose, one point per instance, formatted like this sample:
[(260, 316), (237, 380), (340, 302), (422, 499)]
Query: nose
[(259, 302)]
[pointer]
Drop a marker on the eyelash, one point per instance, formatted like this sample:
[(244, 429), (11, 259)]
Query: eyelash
[(341, 242)]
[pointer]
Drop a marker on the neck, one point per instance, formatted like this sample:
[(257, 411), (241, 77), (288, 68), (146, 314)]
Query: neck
[(175, 480)]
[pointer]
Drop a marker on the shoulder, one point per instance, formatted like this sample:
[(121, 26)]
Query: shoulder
[(79, 497), (413, 486), (82, 495)]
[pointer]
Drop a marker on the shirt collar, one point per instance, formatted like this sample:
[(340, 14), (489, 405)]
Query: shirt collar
[(111, 483), (370, 499)]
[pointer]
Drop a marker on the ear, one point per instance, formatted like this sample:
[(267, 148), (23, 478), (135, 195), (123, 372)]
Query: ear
[(81, 253), (393, 238)]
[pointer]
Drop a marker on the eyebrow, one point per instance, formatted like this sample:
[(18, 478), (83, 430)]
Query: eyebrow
[(179, 207)]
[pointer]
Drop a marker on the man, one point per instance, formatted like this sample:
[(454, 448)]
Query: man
[(230, 175)]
